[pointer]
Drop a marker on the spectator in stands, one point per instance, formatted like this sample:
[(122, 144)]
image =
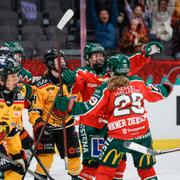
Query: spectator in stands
[(137, 13), (176, 15), (122, 22), (161, 21), (133, 38), (104, 25)]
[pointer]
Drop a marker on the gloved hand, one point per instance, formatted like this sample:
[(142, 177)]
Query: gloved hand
[(21, 167), (46, 137), (152, 48), (26, 139), (167, 84), (68, 77), (63, 105), (46, 143)]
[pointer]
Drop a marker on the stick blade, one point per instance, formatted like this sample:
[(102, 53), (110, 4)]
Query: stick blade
[(66, 17)]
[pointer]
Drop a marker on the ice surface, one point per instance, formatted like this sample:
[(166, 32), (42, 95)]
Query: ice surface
[(167, 168)]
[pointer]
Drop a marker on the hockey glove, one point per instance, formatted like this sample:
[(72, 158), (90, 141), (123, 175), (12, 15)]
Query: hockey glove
[(152, 48), (21, 167), (68, 77), (167, 84), (46, 143), (26, 139), (64, 104)]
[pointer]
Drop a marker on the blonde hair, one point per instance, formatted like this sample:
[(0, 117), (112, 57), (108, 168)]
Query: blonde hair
[(117, 81)]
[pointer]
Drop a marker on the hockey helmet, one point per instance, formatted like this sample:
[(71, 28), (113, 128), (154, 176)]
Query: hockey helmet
[(91, 48), (118, 64), (8, 65), (49, 57), (17, 52), (14, 47), (4, 50)]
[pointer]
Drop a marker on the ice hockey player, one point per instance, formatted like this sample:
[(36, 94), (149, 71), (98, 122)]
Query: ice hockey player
[(47, 88), (14, 50), (121, 101), (17, 51), (85, 80), (11, 106)]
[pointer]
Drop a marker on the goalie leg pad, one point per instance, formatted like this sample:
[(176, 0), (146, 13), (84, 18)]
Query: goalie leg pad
[(47, 160), (147, 174)]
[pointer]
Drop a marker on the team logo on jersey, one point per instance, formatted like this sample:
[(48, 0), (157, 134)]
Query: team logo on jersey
[(17, 113), (96, 146), (4, 130)]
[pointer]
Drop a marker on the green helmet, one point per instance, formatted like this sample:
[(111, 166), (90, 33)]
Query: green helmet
[(14, 47), (118, 64), (8, 65), (91, 48)]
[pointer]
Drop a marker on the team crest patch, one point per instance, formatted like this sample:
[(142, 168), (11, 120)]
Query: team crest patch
[(96, 146), (17, 113)]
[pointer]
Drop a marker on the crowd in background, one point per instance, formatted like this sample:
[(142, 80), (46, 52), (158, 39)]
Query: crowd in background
[(125, 25)]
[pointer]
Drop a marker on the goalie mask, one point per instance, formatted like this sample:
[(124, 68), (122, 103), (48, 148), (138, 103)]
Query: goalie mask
[(51, 59), (94, 56), (16, 49), (118, 65)]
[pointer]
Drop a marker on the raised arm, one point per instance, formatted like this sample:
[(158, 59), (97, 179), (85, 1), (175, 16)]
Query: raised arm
[(92, 12), (128, 9), (114, 13)]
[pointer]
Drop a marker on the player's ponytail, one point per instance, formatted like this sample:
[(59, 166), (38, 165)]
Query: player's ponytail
[(117, 81)]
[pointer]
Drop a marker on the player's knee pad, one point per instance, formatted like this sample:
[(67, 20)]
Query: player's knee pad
[(147, 174), (9, 175), (120, 170), (74, 166), (47, 160), (145, 161), (105, 173)]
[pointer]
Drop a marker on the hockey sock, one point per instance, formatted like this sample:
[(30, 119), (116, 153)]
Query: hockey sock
[(147, 174), (105, 173), (120, 170)]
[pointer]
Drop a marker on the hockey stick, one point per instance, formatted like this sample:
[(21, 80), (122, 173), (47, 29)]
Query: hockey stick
[(172, 70), (142, 149), (67, 16), (16, 164), (39, 139), (40, 163)]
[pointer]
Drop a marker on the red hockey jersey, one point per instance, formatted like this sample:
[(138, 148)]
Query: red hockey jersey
[(123, 108), (87, 81)]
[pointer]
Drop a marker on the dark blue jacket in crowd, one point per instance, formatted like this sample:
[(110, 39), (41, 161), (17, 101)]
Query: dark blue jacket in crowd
[(105, 34)]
